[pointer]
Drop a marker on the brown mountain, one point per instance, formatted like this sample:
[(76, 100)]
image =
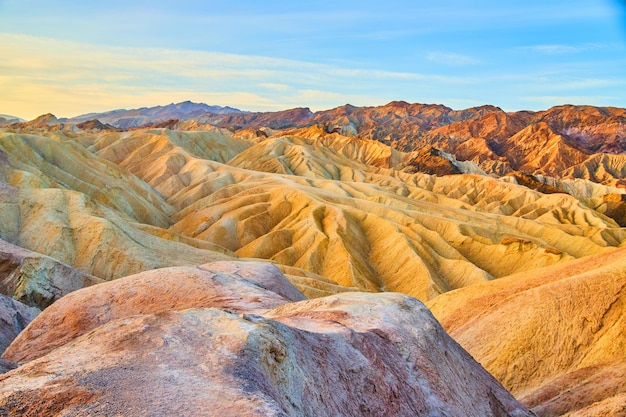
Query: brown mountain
[(567, 140)]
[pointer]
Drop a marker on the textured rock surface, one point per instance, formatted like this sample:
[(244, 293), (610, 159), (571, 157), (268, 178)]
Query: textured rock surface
[(6, 366), (35, 279), (555, 336), (14, 316), (336, 210), (239, 286), (332, 206), (327, 205), (353, 354), (568, 141)]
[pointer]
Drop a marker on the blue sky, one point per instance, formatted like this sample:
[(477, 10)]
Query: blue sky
[(70, 58)]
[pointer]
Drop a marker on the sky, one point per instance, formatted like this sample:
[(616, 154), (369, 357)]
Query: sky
[(71, 58)]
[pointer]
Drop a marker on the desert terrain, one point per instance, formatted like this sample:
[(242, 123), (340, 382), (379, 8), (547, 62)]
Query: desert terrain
[(404, 259)]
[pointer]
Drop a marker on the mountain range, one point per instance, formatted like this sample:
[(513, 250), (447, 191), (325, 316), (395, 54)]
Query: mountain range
[(354, 261), (124, 119)]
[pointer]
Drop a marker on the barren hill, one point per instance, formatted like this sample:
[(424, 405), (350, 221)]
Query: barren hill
[(498, 220), (324, 203), (570, 138), (556, 336)]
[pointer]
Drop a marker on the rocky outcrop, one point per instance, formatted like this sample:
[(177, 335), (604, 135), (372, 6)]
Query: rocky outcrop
[(274, 120), (95, 125), (398, 123), (14, 317), (565, 141), (43, 121), (37, 280), (245, 287), (353, 354), (556, 336)]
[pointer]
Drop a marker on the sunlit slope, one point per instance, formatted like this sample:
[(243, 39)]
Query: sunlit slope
[(56, 160), (553, 336), (60, 200), (332, 207)]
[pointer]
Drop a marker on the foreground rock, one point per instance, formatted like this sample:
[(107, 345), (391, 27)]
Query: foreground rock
[(556, 335), (353, 354), (234, 286)]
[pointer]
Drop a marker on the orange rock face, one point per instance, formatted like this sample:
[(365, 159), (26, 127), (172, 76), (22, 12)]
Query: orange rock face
[(546, 142)]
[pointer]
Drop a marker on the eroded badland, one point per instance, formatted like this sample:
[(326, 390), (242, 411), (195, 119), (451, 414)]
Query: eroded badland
[(405, 259)]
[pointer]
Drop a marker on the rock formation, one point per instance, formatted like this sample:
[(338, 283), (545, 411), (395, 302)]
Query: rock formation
[(321, 203), (37, 280), (574, 137), (260, 354), (153, 292)]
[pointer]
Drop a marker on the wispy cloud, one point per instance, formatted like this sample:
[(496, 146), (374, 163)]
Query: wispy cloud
[(275, 86), (557, 49), (555, 100), (39, 75), (449, 58)]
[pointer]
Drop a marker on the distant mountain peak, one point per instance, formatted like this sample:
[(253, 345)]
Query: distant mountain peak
[(6, 118), (47, 119), (185, 110)]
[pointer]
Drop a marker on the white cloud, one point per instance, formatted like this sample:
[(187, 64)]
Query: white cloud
[(275, 86), (454, 59), (558, 49), (547, 101), (40, 75), (555, 49)]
